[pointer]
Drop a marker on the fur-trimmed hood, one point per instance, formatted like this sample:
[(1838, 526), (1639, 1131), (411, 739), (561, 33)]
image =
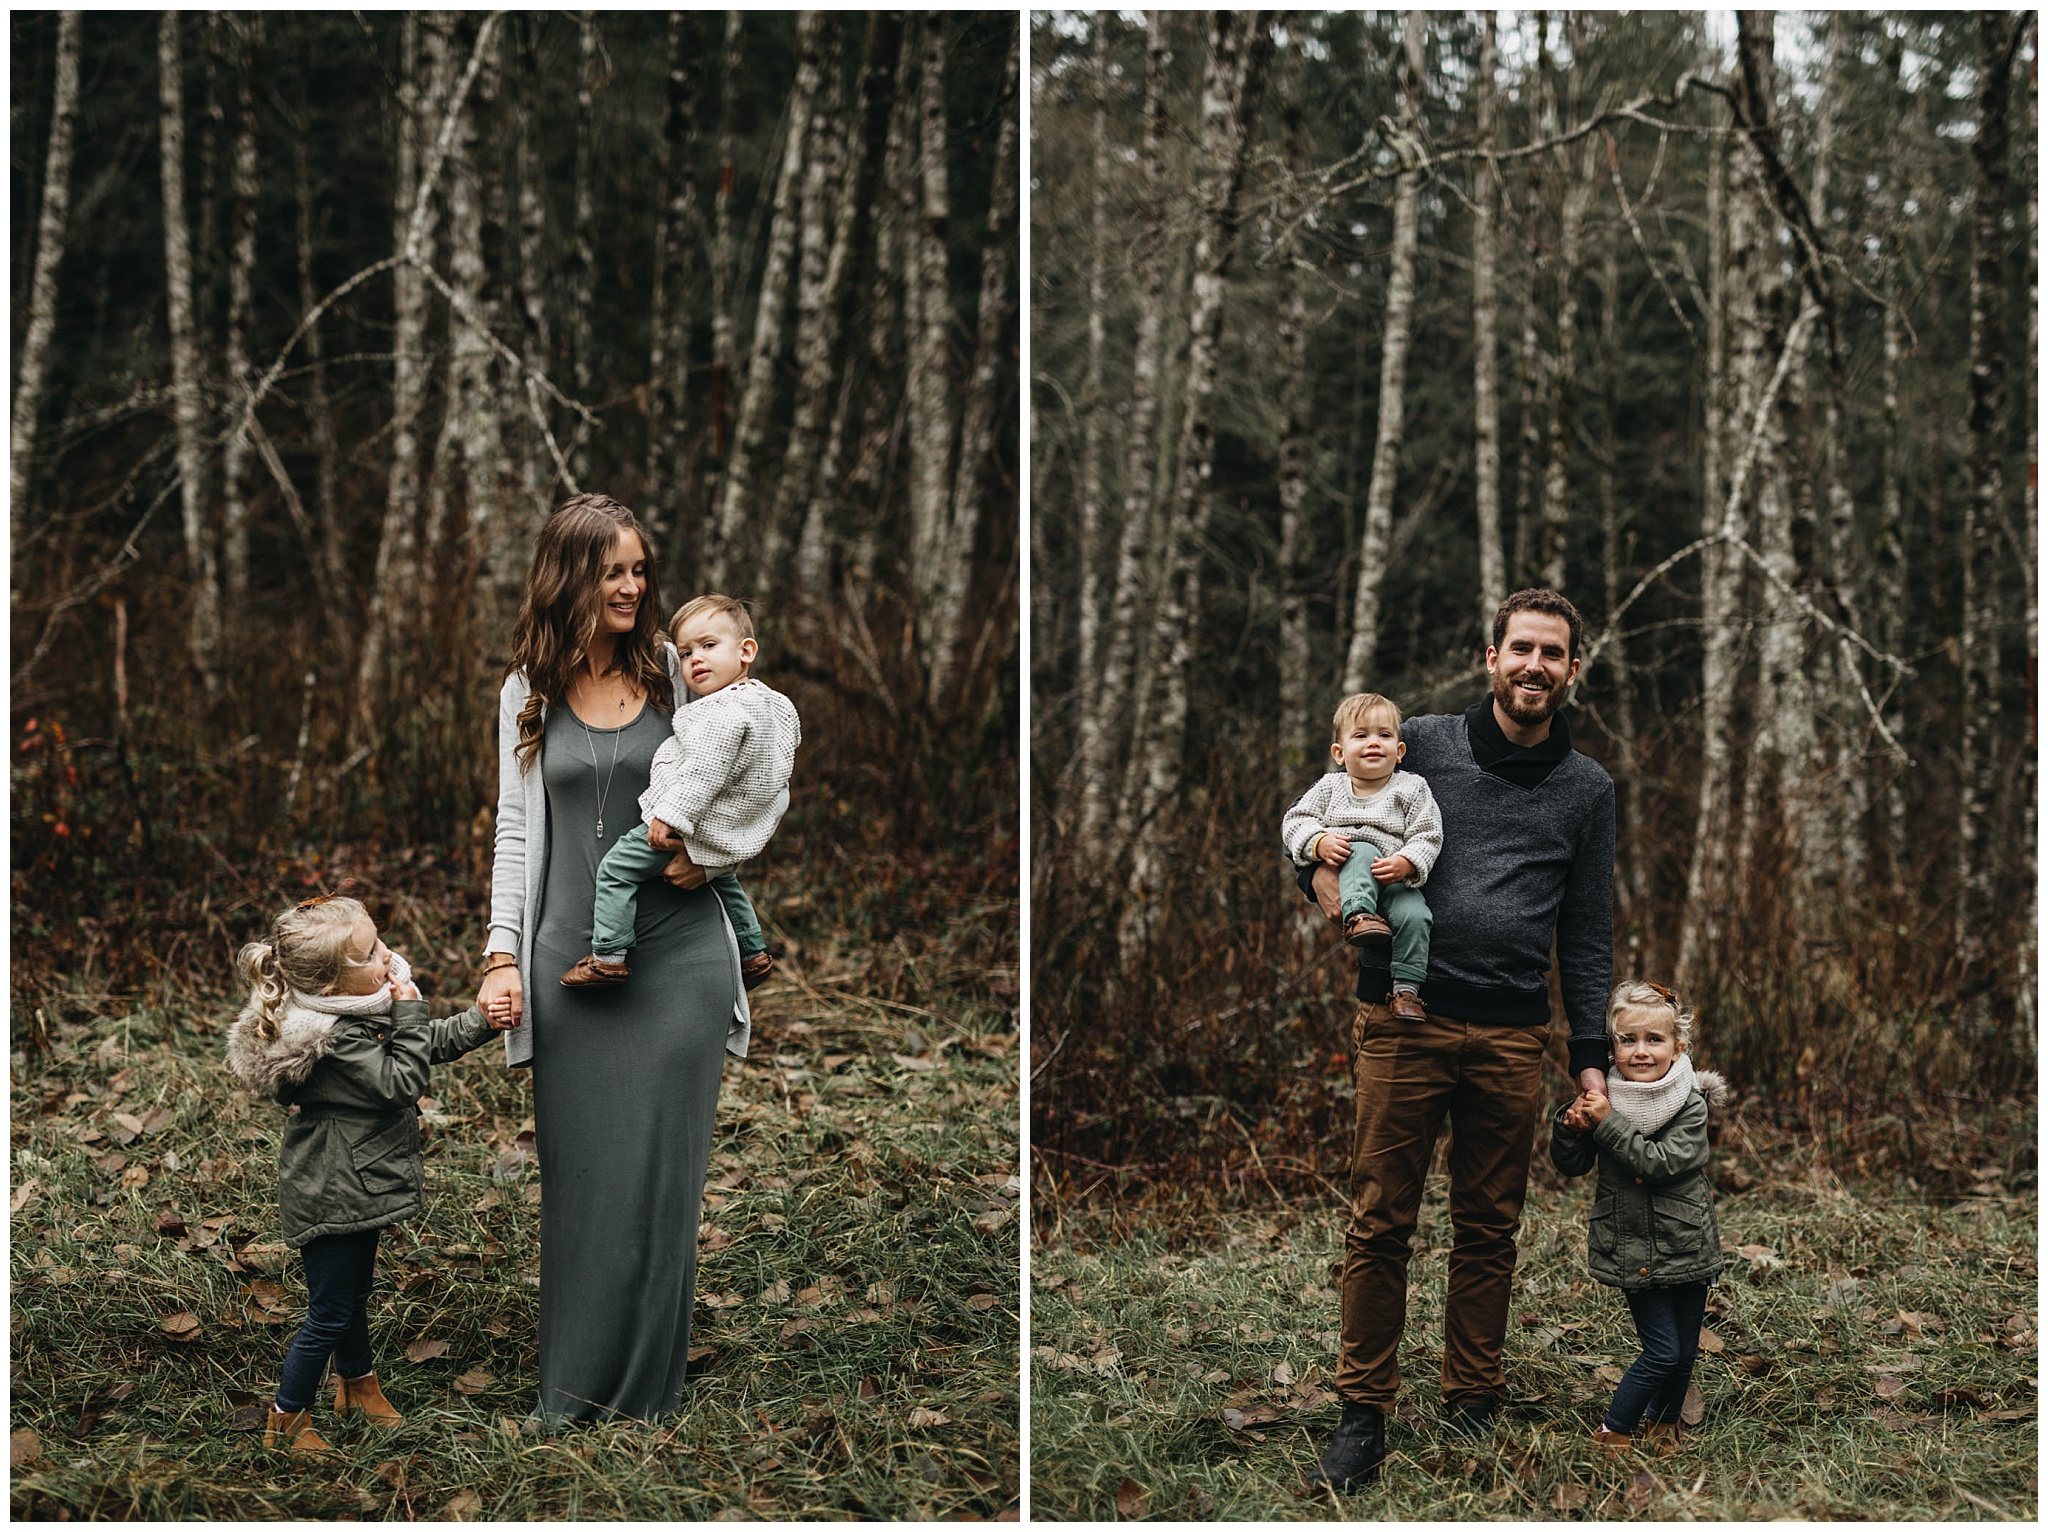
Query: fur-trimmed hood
[(1714, 1086), (264, 1064)]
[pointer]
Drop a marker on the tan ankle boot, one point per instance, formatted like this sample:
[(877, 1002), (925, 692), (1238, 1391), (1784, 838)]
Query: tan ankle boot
[(1661, 1437), (293, 1431), (1613, 1443), (365, 1395)]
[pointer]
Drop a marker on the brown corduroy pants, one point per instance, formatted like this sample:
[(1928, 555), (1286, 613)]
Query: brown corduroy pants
[(1411, 1076)]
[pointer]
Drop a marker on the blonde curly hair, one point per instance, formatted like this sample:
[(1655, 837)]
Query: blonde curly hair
[(307, 952), (1633, 995)]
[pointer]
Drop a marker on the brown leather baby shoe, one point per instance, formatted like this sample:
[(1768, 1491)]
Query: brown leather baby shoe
[(1406, 1006), (1363, 930), (594, 970)]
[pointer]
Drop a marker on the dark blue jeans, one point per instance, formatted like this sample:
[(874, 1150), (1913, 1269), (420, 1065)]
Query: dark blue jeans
[(339, 1269), (1668, 1325)]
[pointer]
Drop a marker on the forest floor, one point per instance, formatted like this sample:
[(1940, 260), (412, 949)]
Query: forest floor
[(1869, 1355), (855, 1342)]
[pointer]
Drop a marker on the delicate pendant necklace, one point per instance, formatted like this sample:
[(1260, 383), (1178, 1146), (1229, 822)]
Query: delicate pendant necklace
[(604, 792)]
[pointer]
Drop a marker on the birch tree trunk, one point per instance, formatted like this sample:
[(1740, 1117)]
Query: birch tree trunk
[(830, 201), (1485, 358), (326, 552), (1840, 823), (537, 473), (1781, 738), (1379, 492), (1616, 549), (1557, 493), (583, 239), (1296, 449), (738, 494), (1529, 454), (398, 536), (202, 564), (2030, 924), (1977, 643), (1114, 690), (471, 422), (931, 425), (51, 231), (1088, 553), (241, 303), (868, 200), (668, 360), (1731, 255), (724, 345), (985, 392), (1239, 47)]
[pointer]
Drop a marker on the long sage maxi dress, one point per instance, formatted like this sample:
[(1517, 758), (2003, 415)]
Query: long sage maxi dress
[(625, 1082)]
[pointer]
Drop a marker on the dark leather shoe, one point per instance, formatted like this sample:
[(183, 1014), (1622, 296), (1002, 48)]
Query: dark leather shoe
[(1471, 1421), (595, 970), (1406, 1007), (1368, 931), (1355, 1453), (754, 971)]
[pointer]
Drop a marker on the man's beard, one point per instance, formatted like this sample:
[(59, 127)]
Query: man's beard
[(1520, 708)]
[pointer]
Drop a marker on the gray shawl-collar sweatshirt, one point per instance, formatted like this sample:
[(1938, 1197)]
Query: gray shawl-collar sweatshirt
[(1519, 863)]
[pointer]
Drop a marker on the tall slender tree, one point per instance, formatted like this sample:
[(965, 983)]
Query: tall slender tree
[(51, 230)]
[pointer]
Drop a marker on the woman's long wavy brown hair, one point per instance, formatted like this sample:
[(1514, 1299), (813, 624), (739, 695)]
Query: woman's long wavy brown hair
[(561, 609)]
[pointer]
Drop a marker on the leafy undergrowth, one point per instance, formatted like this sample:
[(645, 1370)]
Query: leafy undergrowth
[(1866, 1357), (856, 1332)]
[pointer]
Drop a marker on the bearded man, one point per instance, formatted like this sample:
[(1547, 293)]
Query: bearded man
[(1528, 853)]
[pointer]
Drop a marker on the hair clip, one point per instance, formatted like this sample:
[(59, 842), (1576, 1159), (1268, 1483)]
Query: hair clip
[(307, 904), (1660, 989)]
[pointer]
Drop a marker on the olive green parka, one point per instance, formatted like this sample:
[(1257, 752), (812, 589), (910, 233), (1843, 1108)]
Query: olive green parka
[(1653, 1212), (349, 1159)]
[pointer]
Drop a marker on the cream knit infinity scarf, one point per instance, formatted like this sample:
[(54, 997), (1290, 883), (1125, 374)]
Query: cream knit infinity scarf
[(1649, 1104), (376, 1003)]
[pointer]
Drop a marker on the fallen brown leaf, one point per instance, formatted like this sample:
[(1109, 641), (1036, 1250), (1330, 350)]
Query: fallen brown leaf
[(1694, 1410), (1131, 1500), (982, 1301), (1568, 1497), (23, 1448), (24, 1194), (425, 1350), (920, 1418), (1889, 1387), (170, 1223), (475, 1381), (181, 1326), (463, 1506), (1712, 1343)]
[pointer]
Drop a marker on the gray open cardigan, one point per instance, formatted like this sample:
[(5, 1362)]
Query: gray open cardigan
[(520, 858)]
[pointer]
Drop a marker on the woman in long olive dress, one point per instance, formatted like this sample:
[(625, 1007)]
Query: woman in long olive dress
[(625, 1077)]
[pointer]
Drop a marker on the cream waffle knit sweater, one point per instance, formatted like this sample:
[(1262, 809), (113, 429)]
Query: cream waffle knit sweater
[(721, 781)]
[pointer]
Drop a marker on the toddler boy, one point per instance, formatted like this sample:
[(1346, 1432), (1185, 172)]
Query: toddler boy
[(1371, 802), (720, 782)]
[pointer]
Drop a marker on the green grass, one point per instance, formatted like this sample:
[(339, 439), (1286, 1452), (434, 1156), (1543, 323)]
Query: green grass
[(1145, 1331), (857, 1290)]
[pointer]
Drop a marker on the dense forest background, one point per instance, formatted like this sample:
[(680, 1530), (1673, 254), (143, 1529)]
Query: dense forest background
[(1347, 324), (318, 314)]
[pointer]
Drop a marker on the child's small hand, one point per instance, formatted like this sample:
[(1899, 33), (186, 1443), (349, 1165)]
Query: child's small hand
[(1594, 1107), (405, 991), (661, 838), (1392, 869), (1333, 848)]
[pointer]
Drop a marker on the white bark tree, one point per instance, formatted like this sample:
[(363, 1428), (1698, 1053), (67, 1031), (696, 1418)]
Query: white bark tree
[(201, 556), (739, 495), (51, 230), (1377, 533), (1485, 353)]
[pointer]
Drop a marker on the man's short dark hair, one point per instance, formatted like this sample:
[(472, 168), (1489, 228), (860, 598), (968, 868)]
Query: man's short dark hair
[(1550, 604)]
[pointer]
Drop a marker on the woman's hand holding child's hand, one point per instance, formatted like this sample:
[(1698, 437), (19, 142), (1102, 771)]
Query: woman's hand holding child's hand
[(1333, 848), (501, 1011)]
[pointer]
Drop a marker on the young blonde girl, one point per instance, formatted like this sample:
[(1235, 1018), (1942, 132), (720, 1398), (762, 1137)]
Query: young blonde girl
[(1652, 1233), (335, 1027)]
